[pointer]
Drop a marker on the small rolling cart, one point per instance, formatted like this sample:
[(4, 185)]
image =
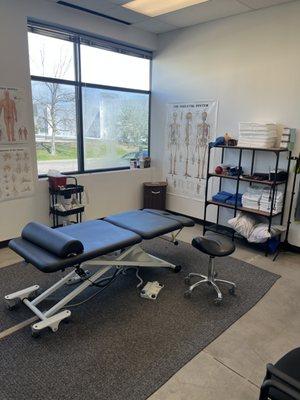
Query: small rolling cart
[(59, 189)]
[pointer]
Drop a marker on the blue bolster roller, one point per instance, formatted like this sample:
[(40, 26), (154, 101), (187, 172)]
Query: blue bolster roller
[(52, 240)]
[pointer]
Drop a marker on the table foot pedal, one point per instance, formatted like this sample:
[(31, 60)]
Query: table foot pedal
[(150, 290)]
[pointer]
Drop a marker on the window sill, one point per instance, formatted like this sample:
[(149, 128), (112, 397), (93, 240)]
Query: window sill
[(100, 172)]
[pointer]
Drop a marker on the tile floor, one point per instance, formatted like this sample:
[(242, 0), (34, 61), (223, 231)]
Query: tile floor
[(233, 366)]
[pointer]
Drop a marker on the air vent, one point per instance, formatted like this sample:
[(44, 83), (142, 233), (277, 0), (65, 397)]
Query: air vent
[(87, 10)]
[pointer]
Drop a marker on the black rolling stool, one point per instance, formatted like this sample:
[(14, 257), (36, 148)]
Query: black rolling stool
[(282, 381), (214, 245)]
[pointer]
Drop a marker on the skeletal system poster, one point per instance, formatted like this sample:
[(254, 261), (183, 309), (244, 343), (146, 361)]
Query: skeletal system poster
[(13, 127), (190, 127)]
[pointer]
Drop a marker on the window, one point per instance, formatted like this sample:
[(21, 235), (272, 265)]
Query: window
[(51, 57), (117, 133), (116, 69), (90, 101)]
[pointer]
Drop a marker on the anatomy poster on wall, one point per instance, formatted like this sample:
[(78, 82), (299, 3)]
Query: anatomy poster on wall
[(189, 129), (16, 174), (13, 128)]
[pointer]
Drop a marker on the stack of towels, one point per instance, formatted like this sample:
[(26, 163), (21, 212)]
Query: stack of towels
[(260, 199), (228, 198), (252, 134), (235, 198), (251, 198), (266, 201)]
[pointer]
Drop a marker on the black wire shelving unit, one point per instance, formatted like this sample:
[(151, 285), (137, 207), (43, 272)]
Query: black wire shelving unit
[(69, 190), (273, 184)]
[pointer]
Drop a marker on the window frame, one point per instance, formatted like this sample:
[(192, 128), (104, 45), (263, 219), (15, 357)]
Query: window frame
[(79, 38)]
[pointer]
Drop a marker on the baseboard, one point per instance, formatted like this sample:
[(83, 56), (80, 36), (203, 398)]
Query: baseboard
[(286, 246), (4, 243)]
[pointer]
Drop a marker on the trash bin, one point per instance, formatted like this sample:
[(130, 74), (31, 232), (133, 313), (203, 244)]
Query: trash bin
[(155, 195)]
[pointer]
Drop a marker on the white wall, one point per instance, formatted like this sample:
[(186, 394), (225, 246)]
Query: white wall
[(109, 192), (250, 63)]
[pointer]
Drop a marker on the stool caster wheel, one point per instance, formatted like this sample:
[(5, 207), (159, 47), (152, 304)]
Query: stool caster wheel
[(177, 269), (218, 302), (33, 295), (188, 294), (232, 291), (13, 306), (176, 243), (35, 335), (187, 280)]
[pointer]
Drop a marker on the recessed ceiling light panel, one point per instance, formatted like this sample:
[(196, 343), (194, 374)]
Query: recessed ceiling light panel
[(153, 8)]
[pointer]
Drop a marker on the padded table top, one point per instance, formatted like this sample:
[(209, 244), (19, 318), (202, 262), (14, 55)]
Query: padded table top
[(97, 237), (146, 224), (184, 220)]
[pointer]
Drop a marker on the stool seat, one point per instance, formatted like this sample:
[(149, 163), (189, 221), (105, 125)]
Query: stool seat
[(214, 245), (282, 381)]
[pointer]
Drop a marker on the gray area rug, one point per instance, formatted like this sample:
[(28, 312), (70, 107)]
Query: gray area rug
[(120, 346)]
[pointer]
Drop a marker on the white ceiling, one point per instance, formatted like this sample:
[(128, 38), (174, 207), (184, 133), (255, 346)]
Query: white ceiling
[(212, 10)]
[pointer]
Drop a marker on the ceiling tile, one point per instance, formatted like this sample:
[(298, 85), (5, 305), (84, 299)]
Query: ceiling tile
[(125, 14), (155, 26), (256, 4), (204, 12)]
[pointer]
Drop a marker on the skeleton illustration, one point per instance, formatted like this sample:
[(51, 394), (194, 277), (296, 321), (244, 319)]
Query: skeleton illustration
[(188, 133), (173, 143), (6, 168), (6, 156), (202, 139), (18, 168), (14, 191), (26, 168), (25, 180), (18, 157)]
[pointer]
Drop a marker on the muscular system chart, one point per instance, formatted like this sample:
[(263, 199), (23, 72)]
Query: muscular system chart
[(16, 168)]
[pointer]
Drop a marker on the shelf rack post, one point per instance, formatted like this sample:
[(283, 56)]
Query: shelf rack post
[(252, 164), (274, 189), (220, 183), (206, 189), (238, 182), (286, 186)]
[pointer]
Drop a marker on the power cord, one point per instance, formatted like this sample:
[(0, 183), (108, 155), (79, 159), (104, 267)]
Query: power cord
[(103, 287)]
